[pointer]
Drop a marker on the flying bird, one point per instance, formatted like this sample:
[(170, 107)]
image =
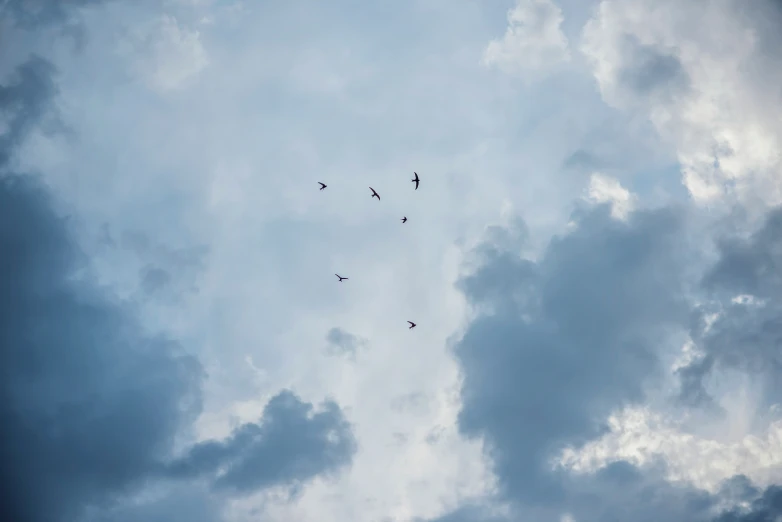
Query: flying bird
[(404, 219), (322, 185), (412, 325), (340, 277), (374, 194), (415, 180)]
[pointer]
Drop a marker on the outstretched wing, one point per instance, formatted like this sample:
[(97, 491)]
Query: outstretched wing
[(411, 323), (374, 193)]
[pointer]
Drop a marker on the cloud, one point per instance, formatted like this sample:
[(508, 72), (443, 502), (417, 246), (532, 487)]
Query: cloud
[(648, 60), (89, 403), (92, 405), (603, 189), (23, 102), (560, 344), (642, 437), (290, 445), (560, 341), (569, 338), (154, 279), (533, 42), (766, 508), (165, 53), (343, 343), (31, 15), (742, 334)]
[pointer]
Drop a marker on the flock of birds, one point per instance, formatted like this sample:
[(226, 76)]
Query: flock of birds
[(415, 180)]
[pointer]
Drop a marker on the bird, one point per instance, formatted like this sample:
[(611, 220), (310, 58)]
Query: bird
[(374, 194), (340, 277), (415, 180), (412, 325), (322, 185), (404, 219)]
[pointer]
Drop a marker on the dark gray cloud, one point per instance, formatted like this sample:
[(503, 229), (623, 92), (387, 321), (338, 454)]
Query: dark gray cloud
[(343, 343), (87, 403), (24, 101), (154, 279), (649, 72), (740, 327), (290, 445), (564, 341), (561, 342), (766, 508), (31, 14), (183, 502), (747, 332), (90, 405)]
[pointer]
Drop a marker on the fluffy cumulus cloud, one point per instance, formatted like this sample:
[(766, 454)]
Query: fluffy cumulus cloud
[(534, 41), (707, 93), (592, 260)]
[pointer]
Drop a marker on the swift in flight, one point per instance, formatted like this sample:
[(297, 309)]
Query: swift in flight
[(322, 185), (415, 180), (404, 219), (412, 325), (340, 277), (374, 194)]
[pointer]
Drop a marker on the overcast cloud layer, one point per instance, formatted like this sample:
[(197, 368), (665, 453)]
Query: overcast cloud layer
[(592, 260)]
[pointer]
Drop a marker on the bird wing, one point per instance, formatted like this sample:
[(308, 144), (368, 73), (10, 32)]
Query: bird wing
[(416, 177), (416, 184), (411, 322), (321, 184)]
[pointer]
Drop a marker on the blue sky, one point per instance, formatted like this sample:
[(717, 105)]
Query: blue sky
[(592, 259)]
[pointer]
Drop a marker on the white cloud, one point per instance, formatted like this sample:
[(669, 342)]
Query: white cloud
[(534, 41), (640, 436), (603, 189), (705, 87), (164, 53)]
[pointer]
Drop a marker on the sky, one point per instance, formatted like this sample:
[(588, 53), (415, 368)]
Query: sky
[(593, 260)]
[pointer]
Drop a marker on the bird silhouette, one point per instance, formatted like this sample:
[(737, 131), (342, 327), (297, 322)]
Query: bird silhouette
[(404, 219), (322, 185), (415, 180), (374, 194), (340, 277), (412, 325)]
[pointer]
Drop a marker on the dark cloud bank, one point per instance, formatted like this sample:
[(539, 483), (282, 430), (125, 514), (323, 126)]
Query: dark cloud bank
[(90, 404), (562, 342)]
